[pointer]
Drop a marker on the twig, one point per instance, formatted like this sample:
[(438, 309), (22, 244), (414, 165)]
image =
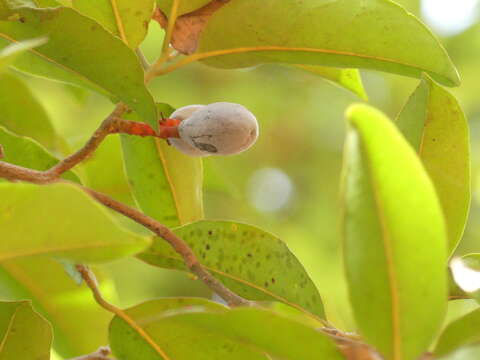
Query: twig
[(91, 282), (101, 354), (15, 173), (180, 246), (351, 345), (143, 59), (111, 125), (12, 172), (166, 40), (170, 26)]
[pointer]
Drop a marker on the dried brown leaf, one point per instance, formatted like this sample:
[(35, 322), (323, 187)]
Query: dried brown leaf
[(189, 27)]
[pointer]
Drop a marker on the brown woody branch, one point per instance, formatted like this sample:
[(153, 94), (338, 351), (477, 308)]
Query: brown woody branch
[(91, 282), (101, 354), (180, 246), (15, 173), (110, 125)]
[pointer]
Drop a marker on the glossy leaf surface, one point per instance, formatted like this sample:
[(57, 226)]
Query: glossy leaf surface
[(126, 19), (461, 332), (249, 261), (278, 336), (348, 79), (370, 34), (61, 221), (21, 112), (464, 353), (166, 183), (167, 340), (395, 238), (184, 6), (434, 124), (26, 152), (10, 53), (73, 42), (23, 333), (68, 307), (199, 329)]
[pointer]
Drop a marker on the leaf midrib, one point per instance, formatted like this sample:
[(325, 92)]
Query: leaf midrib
[(246, 282), (4, 256), (118, 21), (388, 252), (171, 184), (37, 292), (55, 63), (240, 50), (9, 328)]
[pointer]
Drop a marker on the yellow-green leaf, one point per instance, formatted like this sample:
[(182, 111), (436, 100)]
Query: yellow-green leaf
[(249, 261), (464, 353), (126, 19), (183, 7), (24, 334), (278, 336), (71, 309), (62, 221), (395, 238), (10, 53), (348, 79), (21, 113), (166, 183), (81, 51), (370, 34), (197, 329), (461, 332), (26, 152), (434, 124), (167, 341)]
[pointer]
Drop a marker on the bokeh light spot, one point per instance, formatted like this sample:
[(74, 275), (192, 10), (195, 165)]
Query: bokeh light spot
[(465, 277), (270, 189), (449, 17)]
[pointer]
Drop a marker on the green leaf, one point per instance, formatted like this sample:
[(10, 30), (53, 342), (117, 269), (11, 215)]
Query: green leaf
[(184, 6), (265, 331), (24, 334), (249, 261), (395, 238), (166, 183), (105, 171), (28, 153), (199, 329), (80, 49), (349, 79), (370, 34), (126, 19), (461, 332), (46, 3), (10, 53), (62, 221), (434, 124), (70, 308), (167, 340), (466, 353), (21, 112)]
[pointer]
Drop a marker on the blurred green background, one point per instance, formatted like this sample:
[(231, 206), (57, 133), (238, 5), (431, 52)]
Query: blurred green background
[(288, 183)]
